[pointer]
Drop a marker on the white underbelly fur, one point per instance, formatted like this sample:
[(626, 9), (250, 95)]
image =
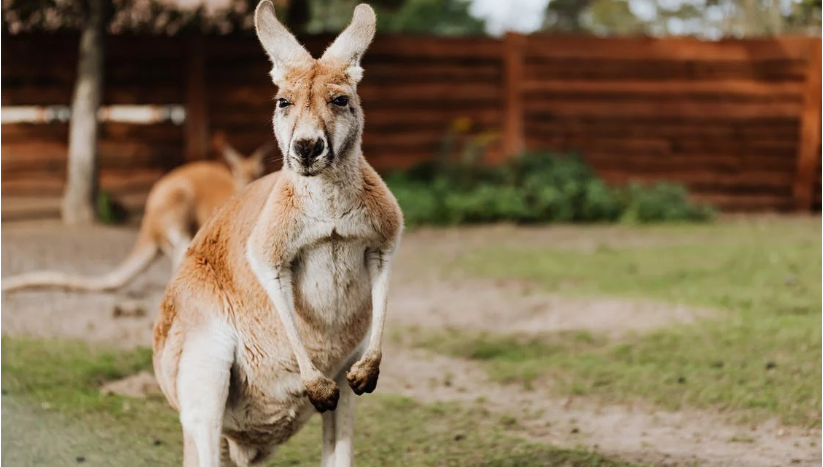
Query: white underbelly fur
[(331, 282)]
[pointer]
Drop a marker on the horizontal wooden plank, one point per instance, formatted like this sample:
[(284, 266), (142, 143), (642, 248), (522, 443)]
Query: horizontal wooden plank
[(671, 48), (668, 88), (665, 147), (35, 95), (132, 95), (163, 132), (383, 118), (51, 157), (748, 182), (17, 208), (117, 182), (684, 108), (686, 162), (621, 68), (109, 131), (745, 202), (625, 128), (24, 132), (173, 93)]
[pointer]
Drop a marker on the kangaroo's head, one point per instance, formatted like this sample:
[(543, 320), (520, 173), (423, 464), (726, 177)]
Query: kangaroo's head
[(243, 169), (318, 121)]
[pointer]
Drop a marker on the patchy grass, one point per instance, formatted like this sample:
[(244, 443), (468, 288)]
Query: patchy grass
[(50, 388), (760, 357)]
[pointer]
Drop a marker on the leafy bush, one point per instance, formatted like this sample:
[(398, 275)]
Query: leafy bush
[(533, 188)]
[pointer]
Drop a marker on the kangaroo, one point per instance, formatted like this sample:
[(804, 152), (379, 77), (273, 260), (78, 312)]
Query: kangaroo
[(280, 302), (177, 205)]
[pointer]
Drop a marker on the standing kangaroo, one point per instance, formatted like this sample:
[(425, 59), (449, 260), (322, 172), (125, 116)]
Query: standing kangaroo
[(177, 205), (280, 302)]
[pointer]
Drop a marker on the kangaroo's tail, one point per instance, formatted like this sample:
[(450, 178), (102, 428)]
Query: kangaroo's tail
[(141, 256)]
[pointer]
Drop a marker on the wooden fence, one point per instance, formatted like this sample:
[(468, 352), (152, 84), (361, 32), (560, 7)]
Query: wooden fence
[(738, 122)]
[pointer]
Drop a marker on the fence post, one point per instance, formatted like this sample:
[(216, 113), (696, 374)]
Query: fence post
[(513, 58), (809, 133), (197, 119)]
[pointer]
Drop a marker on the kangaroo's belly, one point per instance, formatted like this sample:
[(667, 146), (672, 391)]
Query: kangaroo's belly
[(267, 402), (263, 415)]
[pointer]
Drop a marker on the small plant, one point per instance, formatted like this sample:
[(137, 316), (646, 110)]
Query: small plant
[(536, 187), (109, 211)]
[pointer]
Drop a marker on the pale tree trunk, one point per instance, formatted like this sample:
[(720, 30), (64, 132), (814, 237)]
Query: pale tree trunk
[(81, 184), (775, 18)]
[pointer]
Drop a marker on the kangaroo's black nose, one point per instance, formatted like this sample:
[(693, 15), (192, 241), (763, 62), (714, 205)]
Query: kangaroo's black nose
[(308, 149)]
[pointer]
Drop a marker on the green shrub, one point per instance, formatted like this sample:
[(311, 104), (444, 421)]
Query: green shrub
[(536, 187), (109, 210)]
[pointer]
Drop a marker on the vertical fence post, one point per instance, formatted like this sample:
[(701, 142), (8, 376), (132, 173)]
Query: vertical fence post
[(197, 119), (809, 133), (513, 58)]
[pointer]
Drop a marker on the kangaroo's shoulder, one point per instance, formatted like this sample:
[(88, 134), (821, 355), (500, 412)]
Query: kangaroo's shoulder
[(380, 203)]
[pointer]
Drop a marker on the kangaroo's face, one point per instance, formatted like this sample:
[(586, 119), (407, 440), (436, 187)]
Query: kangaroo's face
[(318, 121)]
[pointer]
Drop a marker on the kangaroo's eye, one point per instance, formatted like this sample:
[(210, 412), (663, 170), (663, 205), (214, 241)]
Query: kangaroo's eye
[(282, 103), (340, 101)]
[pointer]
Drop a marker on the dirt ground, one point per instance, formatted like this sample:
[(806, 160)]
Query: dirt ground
[(422, 296)]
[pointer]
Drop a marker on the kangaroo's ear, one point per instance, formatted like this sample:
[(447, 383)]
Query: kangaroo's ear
[(351, 44), (263, 151), (230, 155), (281, 46)]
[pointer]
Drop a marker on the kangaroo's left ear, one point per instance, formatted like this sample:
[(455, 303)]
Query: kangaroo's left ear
[(351, 44)]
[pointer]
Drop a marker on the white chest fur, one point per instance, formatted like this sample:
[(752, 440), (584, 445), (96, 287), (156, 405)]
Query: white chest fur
[(331, 280)]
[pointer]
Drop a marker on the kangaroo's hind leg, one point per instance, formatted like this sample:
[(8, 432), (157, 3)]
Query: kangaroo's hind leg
[(202, 390)]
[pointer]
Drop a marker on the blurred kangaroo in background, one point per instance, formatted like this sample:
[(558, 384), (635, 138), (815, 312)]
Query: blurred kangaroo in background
[(177, 205)]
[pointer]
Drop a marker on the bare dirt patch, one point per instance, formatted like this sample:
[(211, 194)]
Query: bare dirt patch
[(139, 386), (636, 434), (512, 306), (29, 246)]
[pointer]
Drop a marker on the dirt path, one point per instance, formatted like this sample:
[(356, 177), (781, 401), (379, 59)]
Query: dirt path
[(420, 296)]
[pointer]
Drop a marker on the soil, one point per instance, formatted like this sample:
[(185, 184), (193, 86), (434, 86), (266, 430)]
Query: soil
[(420, 296)]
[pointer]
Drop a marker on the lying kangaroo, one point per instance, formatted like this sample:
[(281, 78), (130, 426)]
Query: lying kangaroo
[(282, 295), (177, 205)]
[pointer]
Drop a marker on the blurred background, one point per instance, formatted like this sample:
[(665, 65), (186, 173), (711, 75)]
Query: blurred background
[(711, 94), (613, 236)]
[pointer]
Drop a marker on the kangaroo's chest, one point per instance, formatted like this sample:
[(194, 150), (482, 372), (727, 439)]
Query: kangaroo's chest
[(331, 280)]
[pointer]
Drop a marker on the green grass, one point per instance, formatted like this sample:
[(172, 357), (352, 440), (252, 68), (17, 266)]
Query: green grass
[(758, 357), (50, 387)]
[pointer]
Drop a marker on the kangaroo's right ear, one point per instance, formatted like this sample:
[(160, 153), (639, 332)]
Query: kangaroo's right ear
[(230, 155), (281, 46), (264, 151)]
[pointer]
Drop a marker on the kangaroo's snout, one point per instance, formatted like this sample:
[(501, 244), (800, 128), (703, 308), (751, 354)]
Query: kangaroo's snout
[(308, 150)]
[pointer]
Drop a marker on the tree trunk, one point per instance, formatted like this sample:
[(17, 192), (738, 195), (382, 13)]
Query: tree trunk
[(79, 199), (775, 18)]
